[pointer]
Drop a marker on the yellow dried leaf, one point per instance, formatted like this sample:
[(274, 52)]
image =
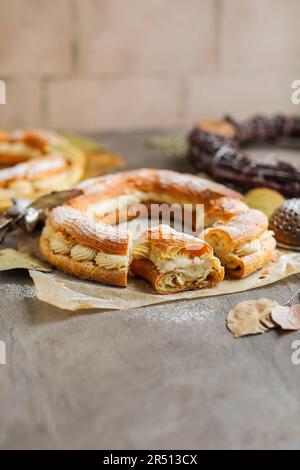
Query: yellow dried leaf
[(264, 199), (287, 317), (251, 317), (12, 259), (86, 144)]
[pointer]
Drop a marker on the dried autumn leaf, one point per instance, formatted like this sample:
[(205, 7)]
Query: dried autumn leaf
[(12, 259), (264, 199), (56, 198), (287, 317), (251, 317)]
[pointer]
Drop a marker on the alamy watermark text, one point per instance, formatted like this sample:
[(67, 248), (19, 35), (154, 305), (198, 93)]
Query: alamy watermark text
[(296, 93), (2, 92), (2, 353)]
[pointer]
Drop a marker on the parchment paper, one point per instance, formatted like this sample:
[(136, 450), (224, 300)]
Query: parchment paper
[(69, 293)]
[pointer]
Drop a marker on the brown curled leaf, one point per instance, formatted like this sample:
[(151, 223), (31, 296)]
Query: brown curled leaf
[(55, 198), (251, 317), (287, 317)]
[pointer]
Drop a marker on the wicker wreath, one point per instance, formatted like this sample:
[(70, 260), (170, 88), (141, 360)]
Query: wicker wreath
[(217, 149)]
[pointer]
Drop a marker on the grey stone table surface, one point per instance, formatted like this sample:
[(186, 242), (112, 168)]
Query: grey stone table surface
[(164, 376)]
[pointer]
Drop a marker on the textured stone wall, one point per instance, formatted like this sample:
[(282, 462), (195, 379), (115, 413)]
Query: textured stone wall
[(120, 64)]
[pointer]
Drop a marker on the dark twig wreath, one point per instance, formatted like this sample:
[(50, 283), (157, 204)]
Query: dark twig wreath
[(223, 157)]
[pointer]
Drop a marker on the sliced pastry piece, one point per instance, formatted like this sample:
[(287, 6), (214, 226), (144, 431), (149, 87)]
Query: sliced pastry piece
[(174, 262), (243, 244), (77, 245)]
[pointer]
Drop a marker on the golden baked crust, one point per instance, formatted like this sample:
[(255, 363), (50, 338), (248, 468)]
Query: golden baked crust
[(243, 243), (146, 269), (159, 185), (222, 209), (33, 170), (251, 263), (239, 229), (87, 232)]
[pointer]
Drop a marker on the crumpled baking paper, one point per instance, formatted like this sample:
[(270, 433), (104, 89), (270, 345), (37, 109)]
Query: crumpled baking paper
[(69, 293)]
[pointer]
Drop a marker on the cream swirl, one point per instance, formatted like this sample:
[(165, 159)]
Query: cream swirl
[(110, 261), (60, 245), (141, 250), (178, 262), (83, 253), (47, 232)]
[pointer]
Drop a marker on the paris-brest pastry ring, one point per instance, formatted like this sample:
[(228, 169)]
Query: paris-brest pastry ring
[(78, 239), (33, 162)]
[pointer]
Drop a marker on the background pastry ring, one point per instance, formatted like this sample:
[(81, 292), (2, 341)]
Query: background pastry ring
[(33, 162)]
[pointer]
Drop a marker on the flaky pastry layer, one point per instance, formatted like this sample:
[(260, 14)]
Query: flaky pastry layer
[(174, 262), (243, 244)]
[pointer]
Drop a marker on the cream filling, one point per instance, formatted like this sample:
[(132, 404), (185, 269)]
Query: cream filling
[(232, 259), (83, 253), (47, 232), (141, 251), (248, 248), (185, 272), (19, 148), (110, 261), (182, 268), (177, 261), (62, 245)]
